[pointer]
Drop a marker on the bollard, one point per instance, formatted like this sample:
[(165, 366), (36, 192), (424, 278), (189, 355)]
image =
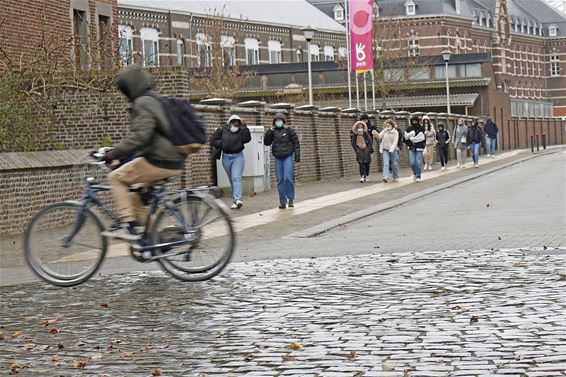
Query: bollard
[(532, 143), (544, 141), (537, 143)]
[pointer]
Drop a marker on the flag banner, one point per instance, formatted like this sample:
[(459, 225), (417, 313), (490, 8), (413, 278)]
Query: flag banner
[(361, 20)]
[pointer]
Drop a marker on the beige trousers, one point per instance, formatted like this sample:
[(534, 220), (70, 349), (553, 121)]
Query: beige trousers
[(141, 173), (428, 154)]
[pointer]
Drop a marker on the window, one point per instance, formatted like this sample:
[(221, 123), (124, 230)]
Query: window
[(439, 72), (125, 37), (274, 48), (471, 70), (328, 53), (314, 51), (480, 20), (252, 51), (338, 13), (552, 31), (410, 8), (228, 51), (393, 74), (554, 65), (180, 52), (420, 74), (414, 47), (204, 50), (150, 45), (80, 35), (104, 41)]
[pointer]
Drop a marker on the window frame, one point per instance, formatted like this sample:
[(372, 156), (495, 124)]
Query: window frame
[(150, 35), (253, 58), (274, 48), (555, 65), (125, 33)]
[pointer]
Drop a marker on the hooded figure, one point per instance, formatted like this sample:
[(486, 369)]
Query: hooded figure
[(460, 142), (230, 139), (430, 141), (388, 148), (284, 144), (362, 142), (491, 132), (415, 139), (474, 137), (156, 158)]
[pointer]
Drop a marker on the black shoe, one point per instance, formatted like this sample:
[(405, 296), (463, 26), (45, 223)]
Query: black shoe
[(291, 204), (282, 206)]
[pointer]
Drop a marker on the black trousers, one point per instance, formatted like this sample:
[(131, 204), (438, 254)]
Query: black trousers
[(364, 169), (443, 152)]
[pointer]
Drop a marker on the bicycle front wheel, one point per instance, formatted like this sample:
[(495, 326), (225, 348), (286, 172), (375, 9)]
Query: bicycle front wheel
[(210, 239), (63, 244)]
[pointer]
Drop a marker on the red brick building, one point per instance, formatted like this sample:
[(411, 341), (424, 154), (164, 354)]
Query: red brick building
[(25, 25)]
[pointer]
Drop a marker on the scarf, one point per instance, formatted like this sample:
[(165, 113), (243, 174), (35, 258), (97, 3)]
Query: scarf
[(361, 141)]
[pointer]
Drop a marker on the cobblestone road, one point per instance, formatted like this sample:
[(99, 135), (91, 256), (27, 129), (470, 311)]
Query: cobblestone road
[(445, 313)]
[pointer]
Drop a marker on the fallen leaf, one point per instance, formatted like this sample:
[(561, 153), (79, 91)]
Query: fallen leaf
[(461, 308), (377, 247), (98, 356), (253, 194), (144, 349), (29, 346), (55, 331), (80, 363), (256, 350), (125, 354), (156, 372), (517, 263), (352, 355), (222, 333), (103, 305), (46, 347), (60, 346), (288, 358), (499, 238), (15, 367), (54, 358), (16, 334), (387, 367), (474, 319), (80, 343), (488, 205), (48, 322), (392, 260), (296, 346), (544, 247), (1, 337), (165, 346)]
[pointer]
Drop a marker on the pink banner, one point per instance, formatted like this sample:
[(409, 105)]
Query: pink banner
[(361, 18)]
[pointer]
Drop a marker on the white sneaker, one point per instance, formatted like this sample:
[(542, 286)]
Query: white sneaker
[(122, 233), (443, 168), (366, 179), (492, 156), (362, 179), (233, 206), (430, 167), (477, 165), (385, 180), (417, 179), (239, 204), (488, 156), (395, 179), (459, 165)]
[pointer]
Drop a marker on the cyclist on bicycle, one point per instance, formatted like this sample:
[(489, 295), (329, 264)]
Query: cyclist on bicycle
[(155, 156)]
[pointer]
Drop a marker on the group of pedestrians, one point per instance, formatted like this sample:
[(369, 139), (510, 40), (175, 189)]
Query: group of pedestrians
[(228, 144), (422, 140)]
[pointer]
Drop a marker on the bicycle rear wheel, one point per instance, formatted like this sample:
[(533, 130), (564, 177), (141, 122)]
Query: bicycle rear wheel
[(63, 244), (211, 238)]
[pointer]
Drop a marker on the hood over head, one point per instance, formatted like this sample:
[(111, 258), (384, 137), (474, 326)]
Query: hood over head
[(134, 82), (359, 124), (233, 117), (279, 116), (415, 118), (425, 117)]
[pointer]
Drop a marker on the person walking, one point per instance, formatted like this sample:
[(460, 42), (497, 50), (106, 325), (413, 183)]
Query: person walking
[(394, 165), (442, 141), (491, 132), (284, 145), (460, 142), (362, 142), (415, 141), (230, 139), (430, 142), (474, 137), (388, 148), (372, 130)]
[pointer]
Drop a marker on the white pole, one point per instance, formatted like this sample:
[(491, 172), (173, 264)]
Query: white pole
[(347, 13), (357, 91), (309, 69), (447, 90), (373, 87), (365, 92)]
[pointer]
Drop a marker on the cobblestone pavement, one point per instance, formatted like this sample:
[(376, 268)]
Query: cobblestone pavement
[(445, 313)]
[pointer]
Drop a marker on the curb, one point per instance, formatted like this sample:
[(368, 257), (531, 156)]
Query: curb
[(355, 216)]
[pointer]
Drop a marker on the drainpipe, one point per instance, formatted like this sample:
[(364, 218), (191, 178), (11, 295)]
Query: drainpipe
[(170, 37), (190, 41)]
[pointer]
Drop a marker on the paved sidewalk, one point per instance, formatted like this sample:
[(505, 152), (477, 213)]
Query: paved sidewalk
[(426, 314)]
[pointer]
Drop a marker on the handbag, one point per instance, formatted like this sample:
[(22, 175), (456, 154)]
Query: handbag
[(216, 153), (463, 139)]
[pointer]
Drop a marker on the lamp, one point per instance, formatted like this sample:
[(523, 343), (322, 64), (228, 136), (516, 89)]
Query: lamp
[(446, 55), (309, 34)]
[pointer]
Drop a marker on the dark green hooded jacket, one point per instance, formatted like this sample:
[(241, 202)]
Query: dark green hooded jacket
[(149, 129)]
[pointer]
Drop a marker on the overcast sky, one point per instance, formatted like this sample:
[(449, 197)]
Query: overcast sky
[(559, 4)]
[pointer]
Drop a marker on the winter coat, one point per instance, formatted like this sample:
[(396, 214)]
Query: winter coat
[(414, 138), (389, 140), (363, 155), (400, 132), (442, 138), (230, 142), (284, 141), (149, 126), (491, 129), (429, 135), (474, 135), (460, 131)]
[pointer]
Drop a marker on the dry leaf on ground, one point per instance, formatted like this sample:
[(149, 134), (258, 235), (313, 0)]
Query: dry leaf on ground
[(352, 355), (29, 346), (80, 363), (156, 372), (55, 331), (387, 367), (98, 356), (288, 358), (296, 346), (125, 354), (80, 343), (16, 334), (474, 319), (54, 358)]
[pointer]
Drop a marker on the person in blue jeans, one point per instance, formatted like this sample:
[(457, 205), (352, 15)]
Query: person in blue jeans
[(491, 132), (416, 141), (389, 139), (474, 137), (230, 139), (285, 148)]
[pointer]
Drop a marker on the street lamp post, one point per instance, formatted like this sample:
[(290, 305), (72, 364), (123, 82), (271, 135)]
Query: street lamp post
[(446, 55), (309, 34)]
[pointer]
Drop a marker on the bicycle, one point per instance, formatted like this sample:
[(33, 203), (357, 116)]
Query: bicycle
[(188, 232)]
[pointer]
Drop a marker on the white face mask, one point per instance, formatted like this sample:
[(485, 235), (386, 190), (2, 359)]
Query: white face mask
[(279, 123), (360, 130), (388, 128), (234, 129)]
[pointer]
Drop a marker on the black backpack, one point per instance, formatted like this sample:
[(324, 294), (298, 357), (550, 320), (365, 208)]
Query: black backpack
[(188, 127)]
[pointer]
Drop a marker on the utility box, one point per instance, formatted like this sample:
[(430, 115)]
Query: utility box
[(254, 168)]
